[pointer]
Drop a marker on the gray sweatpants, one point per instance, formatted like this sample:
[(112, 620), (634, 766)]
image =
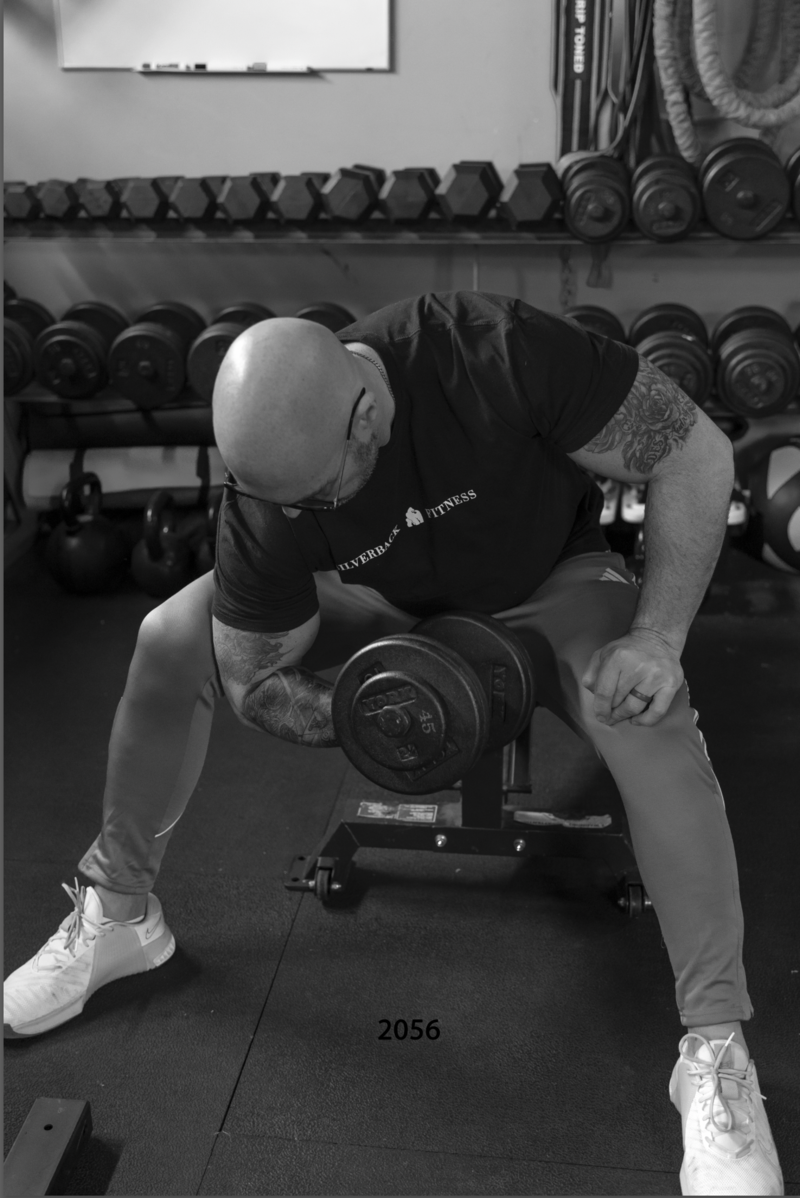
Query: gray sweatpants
[(672, 799)]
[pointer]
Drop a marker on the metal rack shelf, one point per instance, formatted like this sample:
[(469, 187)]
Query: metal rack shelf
[(375, 232)]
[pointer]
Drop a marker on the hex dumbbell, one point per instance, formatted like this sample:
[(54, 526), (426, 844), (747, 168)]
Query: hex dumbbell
[(409, 195), (297, 199), (469, 191), (351, 194), (531, 195)]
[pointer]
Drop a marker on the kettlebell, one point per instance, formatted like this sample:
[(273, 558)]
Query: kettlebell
[(206, 554), (161, 562), (85, 553)]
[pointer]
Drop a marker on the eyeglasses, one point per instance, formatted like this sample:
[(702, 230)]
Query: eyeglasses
[(309, 505)]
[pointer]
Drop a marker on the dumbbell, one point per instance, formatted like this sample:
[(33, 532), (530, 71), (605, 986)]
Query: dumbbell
[(100, 199), (597, 202), (674, 338), (208, 350), (161, 562), (351, 194), (195, 199), (597, 320), (409, 195), (757, 362), (665, 198), (59, 200), (469, 191), (531, 196), (297, 199), (247, 197), (24, 320), (333, 316), (85, 552), (31, 315), (147, 199), (70, 356), (147, 362), (20, 202), (745, 189), (413, 712), (793, 175)]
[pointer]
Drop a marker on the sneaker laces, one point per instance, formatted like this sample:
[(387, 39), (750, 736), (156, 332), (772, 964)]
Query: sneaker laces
[(76, 927), (728, 1087)]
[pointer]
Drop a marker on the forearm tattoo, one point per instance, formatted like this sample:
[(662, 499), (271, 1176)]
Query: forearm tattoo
[(654, 420), (295, 705), (289, 702)]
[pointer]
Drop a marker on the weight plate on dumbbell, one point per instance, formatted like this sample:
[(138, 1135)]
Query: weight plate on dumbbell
[(70, 359), (502, 665), (666, 200), (104, 319), (758, 376), (180, 318), (244, 314), (745, 189), (752, 317), (683, 359), (663, 318), (205, 356), (18, 368), (423, 682), (596, 198), (398, 720), (597, 320), (33, 317), (146, 364), (333, 316)]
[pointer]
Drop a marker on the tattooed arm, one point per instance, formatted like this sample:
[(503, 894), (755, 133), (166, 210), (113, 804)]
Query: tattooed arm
[(267, 687), (661, 438)]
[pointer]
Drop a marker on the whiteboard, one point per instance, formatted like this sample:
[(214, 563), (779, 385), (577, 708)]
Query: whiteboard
[(203, 36)]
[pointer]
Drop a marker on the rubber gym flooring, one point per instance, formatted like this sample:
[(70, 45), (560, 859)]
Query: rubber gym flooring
[(251, 1063)]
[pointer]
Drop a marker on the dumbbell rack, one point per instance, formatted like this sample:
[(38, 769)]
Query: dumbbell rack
[(480, 824), (374, 231)]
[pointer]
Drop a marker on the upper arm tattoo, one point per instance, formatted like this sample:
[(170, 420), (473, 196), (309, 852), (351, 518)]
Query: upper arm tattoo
[(279, 698), (656, 418), (245, 656)]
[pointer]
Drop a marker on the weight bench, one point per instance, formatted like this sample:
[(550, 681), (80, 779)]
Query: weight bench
[(479, 823)]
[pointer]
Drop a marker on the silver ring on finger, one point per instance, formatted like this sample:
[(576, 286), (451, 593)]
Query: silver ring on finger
[(646, 699)]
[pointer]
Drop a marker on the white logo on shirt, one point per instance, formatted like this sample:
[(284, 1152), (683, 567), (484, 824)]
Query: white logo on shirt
[(413, 517), (449, 504)]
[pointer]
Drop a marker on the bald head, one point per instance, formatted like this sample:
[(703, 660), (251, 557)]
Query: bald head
[(281, 404)]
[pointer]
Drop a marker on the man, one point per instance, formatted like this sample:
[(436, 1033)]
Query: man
[(431, 457)]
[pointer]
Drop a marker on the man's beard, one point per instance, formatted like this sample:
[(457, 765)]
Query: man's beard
[(366, 459)]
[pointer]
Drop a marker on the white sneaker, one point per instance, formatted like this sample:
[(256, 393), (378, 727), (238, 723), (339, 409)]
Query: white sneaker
[(728, 1148), (87, 951)]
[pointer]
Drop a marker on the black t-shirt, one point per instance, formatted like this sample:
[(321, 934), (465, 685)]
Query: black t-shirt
[(473, 500)]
